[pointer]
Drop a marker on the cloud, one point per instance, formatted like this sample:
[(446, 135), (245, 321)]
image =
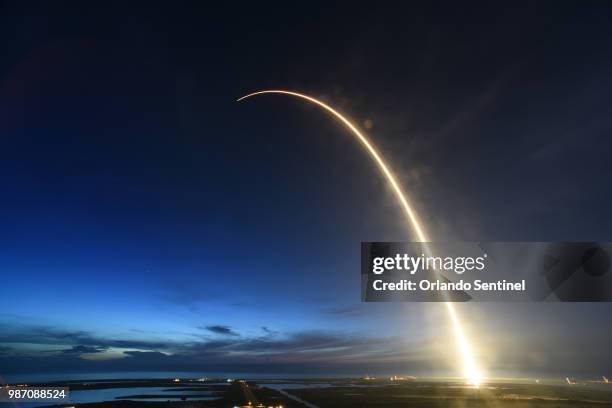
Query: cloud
[(79, 340), (220, 329), (145, 354), (84, 349), (346, 311), (304, 347), (268, 331), (44, 349), (227, 346)]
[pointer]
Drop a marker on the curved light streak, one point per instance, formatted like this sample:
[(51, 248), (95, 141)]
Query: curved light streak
[(411, 215), (470, 370)]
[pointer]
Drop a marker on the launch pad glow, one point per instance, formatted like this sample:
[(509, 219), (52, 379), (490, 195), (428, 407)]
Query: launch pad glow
[(470, 370)]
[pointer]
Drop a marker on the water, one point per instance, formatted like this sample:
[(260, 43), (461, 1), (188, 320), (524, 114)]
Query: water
[(127, 375), (294, 386), (109, 394)]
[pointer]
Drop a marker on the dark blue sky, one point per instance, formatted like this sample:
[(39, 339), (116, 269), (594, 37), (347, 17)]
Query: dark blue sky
[(150, 221)]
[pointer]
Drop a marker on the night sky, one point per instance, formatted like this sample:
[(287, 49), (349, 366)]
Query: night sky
[(150, 222)]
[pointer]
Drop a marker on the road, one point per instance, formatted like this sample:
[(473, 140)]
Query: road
[(248, 394)]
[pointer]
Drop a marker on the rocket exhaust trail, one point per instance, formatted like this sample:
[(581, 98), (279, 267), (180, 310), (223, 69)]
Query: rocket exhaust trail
[(470, 370)]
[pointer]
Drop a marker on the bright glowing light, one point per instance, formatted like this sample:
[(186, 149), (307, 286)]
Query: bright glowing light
[(470, 370)]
